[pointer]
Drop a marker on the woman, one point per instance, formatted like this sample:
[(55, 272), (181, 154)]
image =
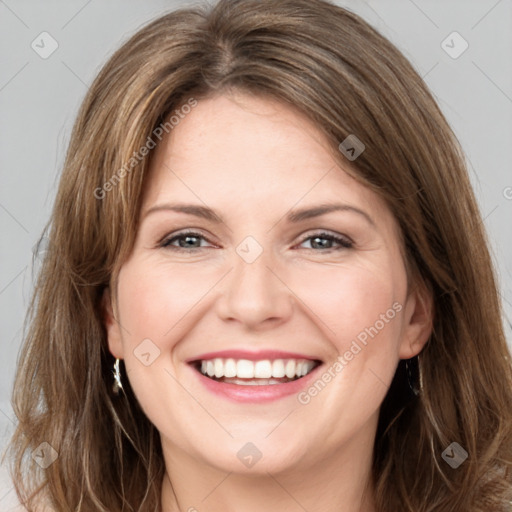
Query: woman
[(339, 348)]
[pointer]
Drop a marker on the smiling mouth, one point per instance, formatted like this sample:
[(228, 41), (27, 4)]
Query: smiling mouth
[(244, 372)]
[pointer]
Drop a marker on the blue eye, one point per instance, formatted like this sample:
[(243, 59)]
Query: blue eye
[(190, 241), (188, 237), (344, 242)]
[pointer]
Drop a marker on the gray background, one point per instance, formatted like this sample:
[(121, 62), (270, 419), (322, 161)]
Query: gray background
[(39, 99)]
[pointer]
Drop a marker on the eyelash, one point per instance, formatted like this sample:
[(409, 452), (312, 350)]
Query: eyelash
[(344, 242)]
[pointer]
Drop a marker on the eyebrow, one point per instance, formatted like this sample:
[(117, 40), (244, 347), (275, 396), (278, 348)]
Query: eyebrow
[(292, 217), (322, 209)]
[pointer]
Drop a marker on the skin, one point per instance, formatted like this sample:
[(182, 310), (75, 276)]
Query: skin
[(252, 160)]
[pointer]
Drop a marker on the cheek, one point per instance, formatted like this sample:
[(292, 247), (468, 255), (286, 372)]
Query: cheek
[(355, 302), (358, 309), (153, 299), (156, 306)]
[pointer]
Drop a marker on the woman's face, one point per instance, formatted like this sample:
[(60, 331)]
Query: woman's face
[(268, 281)]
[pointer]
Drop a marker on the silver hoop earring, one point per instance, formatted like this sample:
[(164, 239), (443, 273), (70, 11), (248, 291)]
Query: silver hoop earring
[(118, 385)]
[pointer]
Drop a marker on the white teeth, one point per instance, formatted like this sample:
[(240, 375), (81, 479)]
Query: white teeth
[(290, 369), (278, 368), (219, 368), (264, 369), (230, 368), (244, 369), (253, 382)]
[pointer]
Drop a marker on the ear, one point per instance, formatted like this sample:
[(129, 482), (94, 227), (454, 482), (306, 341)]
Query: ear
[(418, 322), (112, 327)]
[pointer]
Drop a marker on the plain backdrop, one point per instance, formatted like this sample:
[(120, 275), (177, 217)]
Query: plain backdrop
[(39, 98)]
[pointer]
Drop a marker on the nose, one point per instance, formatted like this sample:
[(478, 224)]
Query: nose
[(254, 294)]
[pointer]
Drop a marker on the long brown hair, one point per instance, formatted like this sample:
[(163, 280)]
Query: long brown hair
[(332, 66)]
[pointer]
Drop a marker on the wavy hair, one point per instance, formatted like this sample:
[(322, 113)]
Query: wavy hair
[(342, 74)]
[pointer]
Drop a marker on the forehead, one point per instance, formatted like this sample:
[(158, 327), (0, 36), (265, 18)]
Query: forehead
[(247, 152)]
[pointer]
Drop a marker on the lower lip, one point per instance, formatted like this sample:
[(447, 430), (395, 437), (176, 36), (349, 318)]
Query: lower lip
[(256, 394)]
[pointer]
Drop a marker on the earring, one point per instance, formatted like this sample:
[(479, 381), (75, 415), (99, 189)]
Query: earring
[(412, 367), (117, 378)]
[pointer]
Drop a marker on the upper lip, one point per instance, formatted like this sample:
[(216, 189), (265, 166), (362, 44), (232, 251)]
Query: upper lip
[(251, 355)]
